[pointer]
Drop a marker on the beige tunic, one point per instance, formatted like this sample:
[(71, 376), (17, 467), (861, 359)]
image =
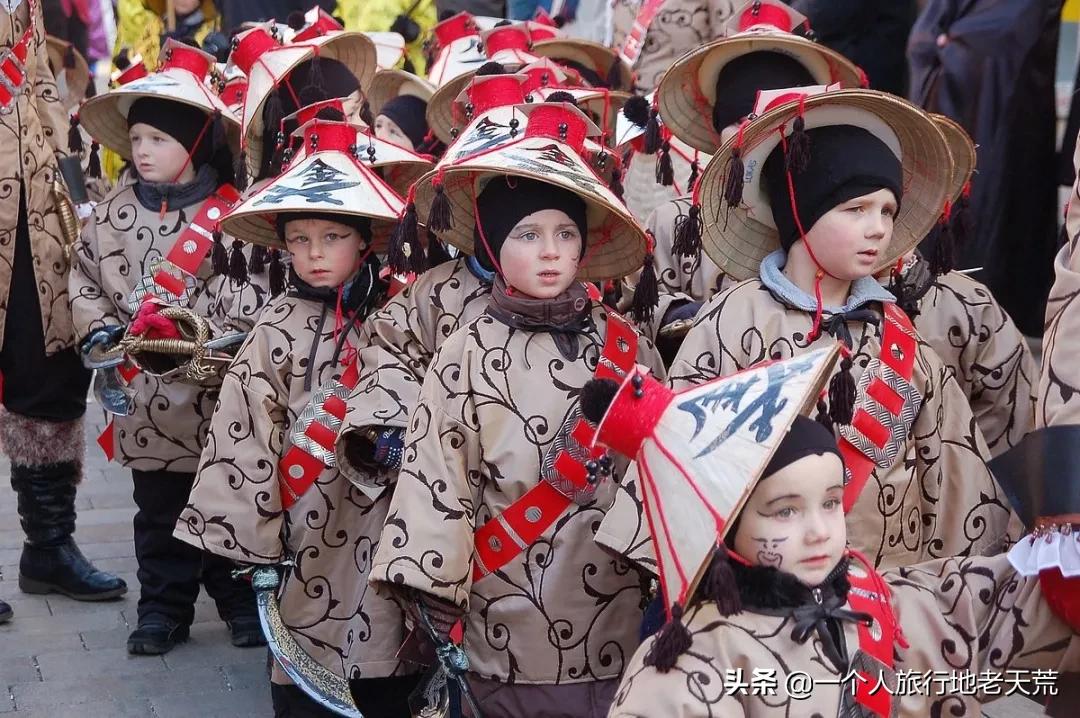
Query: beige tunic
[(960, 319), (400, 340), (167, 430), (1058, 395), (28, 143), (563, 611), (938, 499), (331, 532), (959, 616)]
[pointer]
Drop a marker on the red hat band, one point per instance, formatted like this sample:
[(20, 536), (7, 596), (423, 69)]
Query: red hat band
[(497, 91), (181, 57), (761, 14), (247, 49), (329, 136), (454, 28), (558, 123), (507, 38)]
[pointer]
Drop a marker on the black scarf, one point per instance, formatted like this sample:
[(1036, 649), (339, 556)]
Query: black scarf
[(151, 195), (820, 610)]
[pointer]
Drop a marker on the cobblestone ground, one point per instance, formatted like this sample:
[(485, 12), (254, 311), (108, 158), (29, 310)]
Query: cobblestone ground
[(64, 659)]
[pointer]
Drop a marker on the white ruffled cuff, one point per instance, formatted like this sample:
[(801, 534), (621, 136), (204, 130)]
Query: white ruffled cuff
[(1048, 549)]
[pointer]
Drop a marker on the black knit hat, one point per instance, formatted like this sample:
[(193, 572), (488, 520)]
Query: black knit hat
[(505, 201), (739, 81), (184, 123), (362, 225), (844, 162), (407, 112)]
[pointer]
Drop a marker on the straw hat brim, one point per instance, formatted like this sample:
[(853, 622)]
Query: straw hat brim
[(962, 149), (324, 182), (105, 116), (392, 83), (737, 239), (440, 108), (76, 78), (389, 48), (616, 242), (687, 91), (591, 54), (355, 50)]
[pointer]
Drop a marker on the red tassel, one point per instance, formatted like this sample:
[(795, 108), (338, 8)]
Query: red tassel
[(441, 216), (688, 230), (672, 641), (647, 292)]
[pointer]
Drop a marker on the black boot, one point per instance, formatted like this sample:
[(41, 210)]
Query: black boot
[(156, 635), (5, 612), (51, 562)]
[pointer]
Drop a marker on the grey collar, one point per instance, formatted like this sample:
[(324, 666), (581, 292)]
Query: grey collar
[(864, 291)]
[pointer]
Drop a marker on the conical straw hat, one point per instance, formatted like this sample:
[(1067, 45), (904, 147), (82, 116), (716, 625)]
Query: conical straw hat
[(329, 180), (76, 78), (616, 242), (963, 152), (596, 57), (737, 239), (392, 83), (182, 78), (353, 49), (389, 48), (687, 91)]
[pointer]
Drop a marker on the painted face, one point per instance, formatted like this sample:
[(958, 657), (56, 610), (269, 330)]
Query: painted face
[(850, 239), (387, 129), (157, 156), (794, 519), (324, 253), (541, 254)]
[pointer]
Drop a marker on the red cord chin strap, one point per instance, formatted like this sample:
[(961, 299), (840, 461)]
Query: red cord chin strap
[(187, 161)]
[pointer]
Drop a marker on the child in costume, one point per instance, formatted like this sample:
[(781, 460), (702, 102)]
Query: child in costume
[(745, 495), (269, 492), (497, 502), (147, 252), (961, 321), (824, 192), (759, 52)]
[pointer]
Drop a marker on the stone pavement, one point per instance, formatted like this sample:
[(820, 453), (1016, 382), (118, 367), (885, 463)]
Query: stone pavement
[(60, 658), (64, 659)]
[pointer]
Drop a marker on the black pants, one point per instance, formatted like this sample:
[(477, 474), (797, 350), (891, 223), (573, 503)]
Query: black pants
[(169, 569), (52, 388), (375, 698)]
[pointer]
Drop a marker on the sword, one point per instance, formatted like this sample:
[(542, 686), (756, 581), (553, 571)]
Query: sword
[(323, 686), (440, 696)]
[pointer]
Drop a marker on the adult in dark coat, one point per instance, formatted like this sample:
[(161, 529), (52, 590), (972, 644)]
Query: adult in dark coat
[(235, 12), (871, 33), (989, 65)]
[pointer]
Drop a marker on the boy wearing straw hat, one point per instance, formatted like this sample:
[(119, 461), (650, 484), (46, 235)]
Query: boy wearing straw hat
[(493, 516), (770, 613), (271, 493), (148, 251), (826, 191), (960, 319)]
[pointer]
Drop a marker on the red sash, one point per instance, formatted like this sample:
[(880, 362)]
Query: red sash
[(635, 40), (870, 595), (506, 536), (888, 405), (13, 63)]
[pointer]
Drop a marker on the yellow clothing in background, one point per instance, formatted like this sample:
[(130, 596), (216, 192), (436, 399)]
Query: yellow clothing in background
[(379, 15)]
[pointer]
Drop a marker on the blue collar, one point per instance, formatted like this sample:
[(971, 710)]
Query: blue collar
[(865, 290), (478, 271)]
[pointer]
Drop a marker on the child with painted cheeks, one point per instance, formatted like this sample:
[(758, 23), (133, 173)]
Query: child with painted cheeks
[(325, 253)]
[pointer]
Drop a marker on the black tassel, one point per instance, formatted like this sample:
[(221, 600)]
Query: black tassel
[(315, 79), (122, 59), (75, 143), (296, 20), (647, 292), (671, 642), (219, 256), (408, 66), (238, 271), (614, 75), (91, 88), (365, 114), (905, 298), (961, 220), (257, 259), (69, 57), (719, 585), (240, 173), (406, 253), (695, 169), (842, 394), (665, 173), (93, 165), (733, 179), (277, 273), (798, 149), (943, 250), (441, 216), (822, 416), (653, 135), (688, 229), (636, 110)]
